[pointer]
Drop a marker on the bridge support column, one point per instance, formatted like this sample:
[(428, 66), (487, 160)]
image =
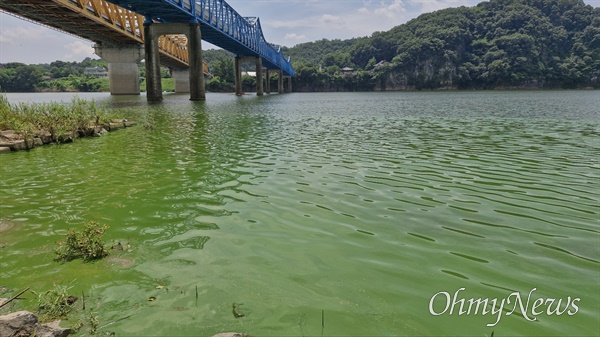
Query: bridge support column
[(153, 82), (268, 81), (259, 77), (196, 76), (197, 86), (182, 80), (289, 82), (123, 72), (238, 76), (280, 82)]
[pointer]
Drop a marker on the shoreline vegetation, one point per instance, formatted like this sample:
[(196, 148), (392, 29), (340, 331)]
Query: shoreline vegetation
[(25, 126)]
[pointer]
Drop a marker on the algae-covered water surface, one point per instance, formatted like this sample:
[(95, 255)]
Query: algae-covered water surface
[(334, 214)]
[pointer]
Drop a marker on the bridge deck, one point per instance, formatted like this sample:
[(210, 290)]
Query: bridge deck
[(97, 21), (220, 24), (103, 21)]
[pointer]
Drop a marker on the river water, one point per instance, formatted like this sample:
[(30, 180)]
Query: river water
[(325, 214)]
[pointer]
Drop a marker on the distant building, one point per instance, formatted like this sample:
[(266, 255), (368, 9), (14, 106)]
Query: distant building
[(381, 63), (99, 72), (347, 71)]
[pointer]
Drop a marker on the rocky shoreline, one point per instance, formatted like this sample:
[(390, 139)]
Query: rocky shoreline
[(11, 141), (26, 324)]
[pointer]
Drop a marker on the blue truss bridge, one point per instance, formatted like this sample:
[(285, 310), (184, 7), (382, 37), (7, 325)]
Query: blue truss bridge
[(220, 24), (167, 32)]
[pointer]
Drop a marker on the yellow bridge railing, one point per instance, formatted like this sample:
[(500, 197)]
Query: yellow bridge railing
[(99, 21)]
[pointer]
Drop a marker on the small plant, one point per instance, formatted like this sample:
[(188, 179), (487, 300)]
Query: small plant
[(55, 303), (85, 244), (92, 320)]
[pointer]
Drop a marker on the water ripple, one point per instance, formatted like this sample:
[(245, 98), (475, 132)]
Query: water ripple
[(357, 205)]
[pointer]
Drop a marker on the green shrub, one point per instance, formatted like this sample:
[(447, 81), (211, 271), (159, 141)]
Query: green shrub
[(55, 303), (85, 244)]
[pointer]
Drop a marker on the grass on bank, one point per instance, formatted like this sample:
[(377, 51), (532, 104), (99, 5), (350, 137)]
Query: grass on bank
[(59, 119), (168, 84)]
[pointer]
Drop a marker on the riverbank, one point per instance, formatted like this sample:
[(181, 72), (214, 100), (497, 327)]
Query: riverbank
[(25, 126)]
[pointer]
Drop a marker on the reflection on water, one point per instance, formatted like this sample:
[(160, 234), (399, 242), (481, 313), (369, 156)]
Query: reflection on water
[(348, 211)]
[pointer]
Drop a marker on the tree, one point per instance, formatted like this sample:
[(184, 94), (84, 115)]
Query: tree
[(224, 69), (18, 77)]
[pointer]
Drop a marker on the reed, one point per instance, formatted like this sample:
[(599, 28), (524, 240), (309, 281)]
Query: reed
[(59, 119)]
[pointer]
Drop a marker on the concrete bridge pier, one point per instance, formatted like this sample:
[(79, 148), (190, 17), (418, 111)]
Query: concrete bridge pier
[(259, 77), (280, 81), (123, 72), (268, 80), (238, 74), (289, 83), (181, 78), (152, 31)]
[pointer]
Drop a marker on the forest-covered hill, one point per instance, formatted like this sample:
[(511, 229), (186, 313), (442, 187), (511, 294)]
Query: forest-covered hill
[(496, 44)]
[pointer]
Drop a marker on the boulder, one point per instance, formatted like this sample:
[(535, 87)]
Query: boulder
[(45, 136), (66, 138), (4, 149), (18, 324), (9, 135), (99, 131), (115, 126), (14, 145), (52, 330), (25, 324)]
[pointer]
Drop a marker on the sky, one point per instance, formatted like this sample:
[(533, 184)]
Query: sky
[(284, 22)]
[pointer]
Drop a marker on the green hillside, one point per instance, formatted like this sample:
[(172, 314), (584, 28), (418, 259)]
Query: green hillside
[(496, 44)]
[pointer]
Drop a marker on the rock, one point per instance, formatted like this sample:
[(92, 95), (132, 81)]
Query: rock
[(99, 132), (128, 123), (18, 324), (10, 135), (115, 126), (14, 145), (4, 149), (25, 324), (37, 142), (45, 136), (52, 329), (231, 334), (66, 138)]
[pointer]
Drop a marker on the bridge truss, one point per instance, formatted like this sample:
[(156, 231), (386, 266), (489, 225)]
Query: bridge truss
[(99, 21), (221, 25)]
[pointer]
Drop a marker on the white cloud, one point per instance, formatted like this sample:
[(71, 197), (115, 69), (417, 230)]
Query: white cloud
[(78, 50), (427, 6), (15, 35), (329, 19), (294, 36), (390, 11), (322, 21)]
